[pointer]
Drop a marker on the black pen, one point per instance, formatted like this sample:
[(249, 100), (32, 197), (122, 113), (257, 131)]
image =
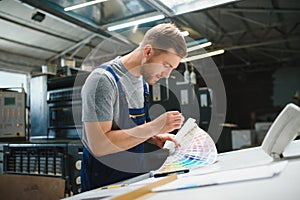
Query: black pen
[(157, 175), (113, 186)]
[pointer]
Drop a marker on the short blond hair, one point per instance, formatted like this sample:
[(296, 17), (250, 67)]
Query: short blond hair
[(164, 37)]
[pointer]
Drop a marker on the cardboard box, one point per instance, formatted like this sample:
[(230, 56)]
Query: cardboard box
[(31, 187)]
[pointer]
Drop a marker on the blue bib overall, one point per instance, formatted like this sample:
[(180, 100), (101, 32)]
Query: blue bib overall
[(94, 173)]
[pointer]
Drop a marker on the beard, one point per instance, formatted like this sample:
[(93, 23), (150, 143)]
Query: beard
[(148, 72), (146, 75)]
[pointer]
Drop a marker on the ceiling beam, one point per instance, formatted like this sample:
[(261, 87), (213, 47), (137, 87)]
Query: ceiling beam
[(28, 45), (15, 68), (242, 31), (283, 28), (280, 50), (221, 31), (251, 20), (195, 24), (257, 50), (71, 48), (239, 57), (160, 7), (258, 10), (258, 66), (262, 43), (19, 63), (36, 29), (245, 22)]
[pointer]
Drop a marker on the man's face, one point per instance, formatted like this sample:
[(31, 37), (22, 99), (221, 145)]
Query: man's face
[(159, 66)]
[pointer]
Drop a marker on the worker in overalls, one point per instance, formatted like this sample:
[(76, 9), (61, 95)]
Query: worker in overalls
[(114, 101)]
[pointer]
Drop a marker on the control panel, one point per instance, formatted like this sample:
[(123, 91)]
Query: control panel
[(12, 108)]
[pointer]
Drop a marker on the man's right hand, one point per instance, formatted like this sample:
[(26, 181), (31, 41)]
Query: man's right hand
[(168, 122)]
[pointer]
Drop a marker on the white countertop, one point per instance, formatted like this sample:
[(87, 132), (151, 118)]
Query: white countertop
[(284, 186)]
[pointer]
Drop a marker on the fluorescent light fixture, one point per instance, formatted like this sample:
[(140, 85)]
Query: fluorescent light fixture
[(196, 42), (135, 22), (180, 7), (185, 33), (83, 5), (200, 46), (201, 56)]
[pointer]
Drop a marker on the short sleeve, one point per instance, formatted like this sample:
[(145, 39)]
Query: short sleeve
[(99, 95)]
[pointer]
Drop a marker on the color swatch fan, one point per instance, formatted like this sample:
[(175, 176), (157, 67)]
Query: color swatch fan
[(197, 149)]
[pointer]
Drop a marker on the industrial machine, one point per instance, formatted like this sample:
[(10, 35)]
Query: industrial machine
[(13, 114), (55, 105), (45, 158), (54, 147)]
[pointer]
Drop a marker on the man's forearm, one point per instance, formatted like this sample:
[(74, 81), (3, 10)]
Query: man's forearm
[(102, 143)]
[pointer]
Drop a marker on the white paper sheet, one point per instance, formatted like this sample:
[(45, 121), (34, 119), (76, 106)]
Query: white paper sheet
[(229, 176)]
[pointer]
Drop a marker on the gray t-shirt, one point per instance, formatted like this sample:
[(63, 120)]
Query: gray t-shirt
[(100, 97)]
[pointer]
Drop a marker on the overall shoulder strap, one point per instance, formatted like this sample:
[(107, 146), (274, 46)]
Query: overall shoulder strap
[(113, 73), (145, 86), (146, 101), (110, 70)]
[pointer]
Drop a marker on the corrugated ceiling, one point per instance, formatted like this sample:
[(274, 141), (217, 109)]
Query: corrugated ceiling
[(256, 34)]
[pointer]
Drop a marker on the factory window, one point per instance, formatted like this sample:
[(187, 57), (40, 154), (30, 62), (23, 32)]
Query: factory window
[(15, 81)]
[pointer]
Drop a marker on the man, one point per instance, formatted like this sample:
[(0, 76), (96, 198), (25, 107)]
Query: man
[(114, 109)]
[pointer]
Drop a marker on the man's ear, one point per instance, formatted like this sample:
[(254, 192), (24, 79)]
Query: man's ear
[(147, 50)]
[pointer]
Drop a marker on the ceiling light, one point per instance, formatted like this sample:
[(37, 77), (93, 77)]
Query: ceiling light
[(200, 46), (201, 56), (185, 33), (135, 22), (83, 5), (196, 42), (39, 17), (180, 7)]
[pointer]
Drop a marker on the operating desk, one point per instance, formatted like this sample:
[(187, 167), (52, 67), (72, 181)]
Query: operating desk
[(284, 186)]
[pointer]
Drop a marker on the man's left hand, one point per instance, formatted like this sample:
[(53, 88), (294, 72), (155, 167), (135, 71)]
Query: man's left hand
[(160, 139)]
